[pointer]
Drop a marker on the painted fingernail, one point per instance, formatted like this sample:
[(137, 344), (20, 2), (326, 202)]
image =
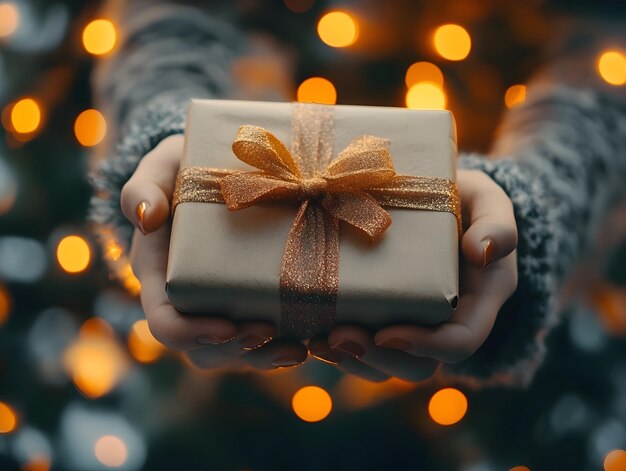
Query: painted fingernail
[(328, 356), (141, 212), (488, 246), (351, 348), (285, 362), (395, 343), (252, 342), (213, 340)]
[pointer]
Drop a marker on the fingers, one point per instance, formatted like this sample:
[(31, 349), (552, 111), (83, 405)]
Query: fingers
[(319, 348), (492, 231), (170, 327), (279, 353), (145, 198), (357, 343), (456, 340)]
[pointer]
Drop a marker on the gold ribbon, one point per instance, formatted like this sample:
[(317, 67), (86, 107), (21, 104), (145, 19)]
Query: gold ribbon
[(352, 188)]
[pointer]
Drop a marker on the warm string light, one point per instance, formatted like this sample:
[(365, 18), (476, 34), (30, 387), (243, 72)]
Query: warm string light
[(312, 403), (73, 254), (25, 116), (447, 406), (426, 96), (142, 344), (423, 72), (452, 42), (612, 67), (5, 304), (338, 29), (111, 451), (95, 361), (8, 418), (90, 128), (317, 90), (615, 460), (519, 468), (41, 463), (99, 37), (515, 95), (9, 19)]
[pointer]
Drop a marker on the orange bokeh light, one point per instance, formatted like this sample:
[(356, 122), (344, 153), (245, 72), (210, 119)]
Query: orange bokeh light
[(9, 19), (99, 37), (423, 72), (317, 90), (37, 464), (5, 304), (447, 406), (519, 468), (338, 29), (452, 42), (111, 451), (515, 95), (73, 254), (90, 128), (612, 67), (142, 344), (25, 116), (426, 96), (312, 403), (615, 461), (8, 418)]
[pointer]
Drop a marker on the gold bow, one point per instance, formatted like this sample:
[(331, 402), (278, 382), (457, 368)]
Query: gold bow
[(352, 188)]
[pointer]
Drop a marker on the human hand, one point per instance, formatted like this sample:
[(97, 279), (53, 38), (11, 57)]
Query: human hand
[(488, 277), (207, 340)]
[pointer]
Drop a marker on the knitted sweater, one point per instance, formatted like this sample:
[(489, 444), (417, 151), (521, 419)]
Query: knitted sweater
[(560, 156)]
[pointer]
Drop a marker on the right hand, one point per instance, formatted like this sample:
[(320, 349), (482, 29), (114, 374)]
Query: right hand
[(208, 342)]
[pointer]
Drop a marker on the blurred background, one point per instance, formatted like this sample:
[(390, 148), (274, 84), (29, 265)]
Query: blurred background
[(84, 386)]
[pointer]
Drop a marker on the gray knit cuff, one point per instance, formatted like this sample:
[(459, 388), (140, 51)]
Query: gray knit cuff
[(515, 348), (164, 116)]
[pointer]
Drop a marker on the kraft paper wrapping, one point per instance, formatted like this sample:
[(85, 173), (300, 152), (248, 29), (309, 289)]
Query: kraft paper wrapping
[(228, 263)]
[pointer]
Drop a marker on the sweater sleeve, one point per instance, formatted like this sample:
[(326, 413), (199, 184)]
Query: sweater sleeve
[(564, 167), (168, 52)]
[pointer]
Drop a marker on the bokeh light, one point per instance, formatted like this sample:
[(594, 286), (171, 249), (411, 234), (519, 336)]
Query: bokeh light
[(514, 95), (37, 464), (423, 72), (452, 42), (317, 90), (90, 128), (447, 406), (519, 468), (25, 116), (338, 29), (615, 461), (73, 254), (8, 418), (299, 6), (312, 403), (9, 19), (142, 344), (5, 304), (111, 451), (612, 67), (426, 96), (99, 37)]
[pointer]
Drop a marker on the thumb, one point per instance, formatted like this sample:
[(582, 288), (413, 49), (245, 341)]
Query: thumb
[(492, 231), (146, 196)]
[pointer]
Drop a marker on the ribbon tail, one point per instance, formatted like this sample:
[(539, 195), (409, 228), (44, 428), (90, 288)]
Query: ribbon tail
[(309, 276), (360, 210)]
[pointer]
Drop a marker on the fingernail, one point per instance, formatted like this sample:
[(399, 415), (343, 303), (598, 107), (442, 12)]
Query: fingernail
[(141, 211), (285, 362), (252, 342), (488, 246), (213, 340), (395, 343), (350, 347), (329, 356)]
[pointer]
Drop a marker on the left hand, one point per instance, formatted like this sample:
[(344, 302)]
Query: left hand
[(488, 278)]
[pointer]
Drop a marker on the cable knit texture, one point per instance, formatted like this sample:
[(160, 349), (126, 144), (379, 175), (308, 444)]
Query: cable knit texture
[(565, 167)]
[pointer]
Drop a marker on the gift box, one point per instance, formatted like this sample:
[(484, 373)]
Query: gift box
[(282, 213)]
